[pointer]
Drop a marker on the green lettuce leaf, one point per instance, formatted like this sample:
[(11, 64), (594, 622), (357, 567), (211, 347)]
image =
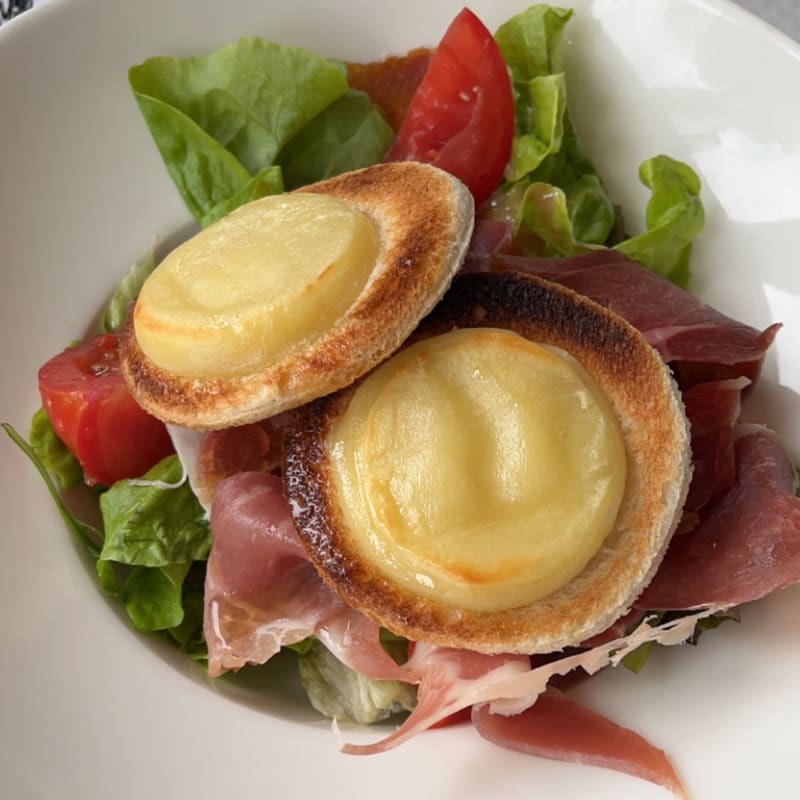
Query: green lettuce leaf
[(89, 535), (205, 173), (268, 181), (341, 693), (52, 453), (153, 596), (349, 134), (126, 291), (674, 218), (636, 660), (546, 149), (188, 635), (155, 533), (156, 521), (219, 120)]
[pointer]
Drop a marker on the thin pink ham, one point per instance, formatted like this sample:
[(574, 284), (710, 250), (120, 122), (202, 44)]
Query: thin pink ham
[(449, 680), (713, 411), (262, 592), (559, 728), (744, 547), (700, 343)]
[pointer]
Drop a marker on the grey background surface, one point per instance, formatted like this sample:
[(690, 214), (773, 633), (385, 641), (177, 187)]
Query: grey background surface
[(783, 14)]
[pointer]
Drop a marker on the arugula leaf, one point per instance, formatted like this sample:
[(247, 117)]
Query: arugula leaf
[(53, 454), (126, 291), (91, 536), (149, 526), (339, 692)]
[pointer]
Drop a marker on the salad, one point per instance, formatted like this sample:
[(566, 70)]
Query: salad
[(546, 203)]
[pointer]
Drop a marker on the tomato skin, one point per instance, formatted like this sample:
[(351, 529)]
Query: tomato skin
[(461, 118), (93, 413)]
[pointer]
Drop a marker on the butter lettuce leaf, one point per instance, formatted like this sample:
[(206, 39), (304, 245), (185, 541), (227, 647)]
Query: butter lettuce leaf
[(205, 173), (675, 217), (153, 596), (268, 181), (546, 148), (349, 134), (126, 291), (155, 521), (88, 534), (564, 208), (636, 660), (52, 453), (156, 533), (338, 692), (252, 119)]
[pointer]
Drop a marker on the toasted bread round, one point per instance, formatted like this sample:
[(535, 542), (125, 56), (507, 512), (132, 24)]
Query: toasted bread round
[(423, 218), (647, 404)]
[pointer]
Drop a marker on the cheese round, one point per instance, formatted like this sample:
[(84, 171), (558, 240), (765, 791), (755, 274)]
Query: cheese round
[(256, 285), (478, 468)]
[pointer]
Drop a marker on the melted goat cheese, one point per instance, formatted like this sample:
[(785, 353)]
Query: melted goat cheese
[(254, 286), (478, 468)]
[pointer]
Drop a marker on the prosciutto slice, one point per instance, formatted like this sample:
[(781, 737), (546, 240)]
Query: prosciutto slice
[(713, 411), (262, 592), (744, 547), (450, 680), (558, 727), (700, 343)]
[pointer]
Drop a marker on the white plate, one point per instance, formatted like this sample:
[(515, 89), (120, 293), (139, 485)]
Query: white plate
[(90, 709)]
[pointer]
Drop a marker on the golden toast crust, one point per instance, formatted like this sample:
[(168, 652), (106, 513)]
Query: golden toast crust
[(655, 430), (424, 219)]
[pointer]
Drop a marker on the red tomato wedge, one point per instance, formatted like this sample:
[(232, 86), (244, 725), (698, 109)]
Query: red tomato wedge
[(461, 118), (93, 413)]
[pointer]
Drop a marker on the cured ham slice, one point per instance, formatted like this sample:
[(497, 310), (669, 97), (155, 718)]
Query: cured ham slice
[(450, 680), (391, 83), (490, 237), (713, 411), (262, 593), (558, 727), (744, 547), (700, 343)]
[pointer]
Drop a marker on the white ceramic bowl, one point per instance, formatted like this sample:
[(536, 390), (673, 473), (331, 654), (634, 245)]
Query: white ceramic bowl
[(90, 709)]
